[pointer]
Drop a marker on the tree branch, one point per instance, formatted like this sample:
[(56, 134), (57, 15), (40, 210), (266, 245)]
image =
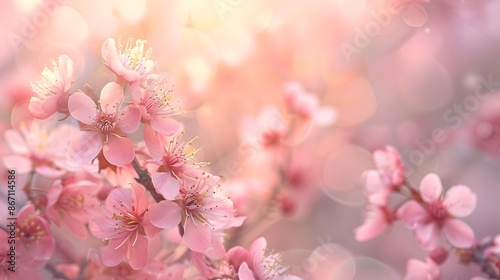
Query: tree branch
[(145, 180)]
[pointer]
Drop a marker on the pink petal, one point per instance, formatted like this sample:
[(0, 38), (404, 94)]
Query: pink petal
[(460, 201), (129, 119), (42, 109), (120, 196), (111, 98), (165, 184), (374, 224), (66, 71), (112, 254), (237, 256), (85, 146), (118, 150), (16, 142), (153, 143), (431, 188), (82, 107), (76, 226), (139, 199), (458, 233), (21, 164), (257, 250), (165, 214), (412, 214), (428, 235), (138, 251), (196, 236), (245, 273), (165, 126)]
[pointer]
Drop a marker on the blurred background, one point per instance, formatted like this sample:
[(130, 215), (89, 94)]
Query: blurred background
[(423, 76)]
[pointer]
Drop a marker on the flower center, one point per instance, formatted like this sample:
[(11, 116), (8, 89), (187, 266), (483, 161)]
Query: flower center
[(437, 210), (105, 123), (29, 231)]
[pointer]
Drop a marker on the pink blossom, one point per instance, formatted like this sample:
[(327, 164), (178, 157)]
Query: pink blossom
[(125, 226), (51, 90), (419, 270), (306, 105), (376, 221), (38, 147), (104, 126), (131, 64), (204, 211), (262, 266), (34, 239), (7, 259), (173, 156), (157, 108), (71, 204), (435, 214), (387, 178)]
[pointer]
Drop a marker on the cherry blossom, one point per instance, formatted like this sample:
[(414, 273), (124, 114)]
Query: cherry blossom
[(173, 156), (377, 220), (71, 204), (130, 64), (34, 239), (39, 147), (51, 90), (435, 214), (419, 270), (125, 227), (104, 126), (157, 107), (205, 210)]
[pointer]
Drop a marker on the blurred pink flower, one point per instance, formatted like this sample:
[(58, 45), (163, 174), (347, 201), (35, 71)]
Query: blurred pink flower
[(173, 157), (482, 131), (51, 90), (388, 177), (34, 240), (71, 204), (435, 214), (376, 221), (306, 105), (38, 147), (204, 210), (419, 270), (155, 102), (131, 64), (125, 227), (259, 265), (8, 259), (104, 126)]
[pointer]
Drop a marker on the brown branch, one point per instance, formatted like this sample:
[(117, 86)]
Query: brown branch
[(55, 273), (145, 180)]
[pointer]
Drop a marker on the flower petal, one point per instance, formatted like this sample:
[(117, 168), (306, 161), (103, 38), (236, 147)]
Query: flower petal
[(460, 201), (153, 143), (431, 188), (197, 236), (458, 233), (130, 118), (42, 109), (245, 273), (165, 214), (137, 253), (165, 184), (139, 198), (118, 150), (165, 126), (375, 223), (82, 107), (428, 235), (111, 98), (112, 254), (412, 214), (66, 71), (85, 146)]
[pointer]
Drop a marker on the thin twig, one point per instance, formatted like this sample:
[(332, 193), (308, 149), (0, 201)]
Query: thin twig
[(145, 180)]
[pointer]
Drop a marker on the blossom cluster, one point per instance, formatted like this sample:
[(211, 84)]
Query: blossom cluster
[(147, 208), (428, 212)]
